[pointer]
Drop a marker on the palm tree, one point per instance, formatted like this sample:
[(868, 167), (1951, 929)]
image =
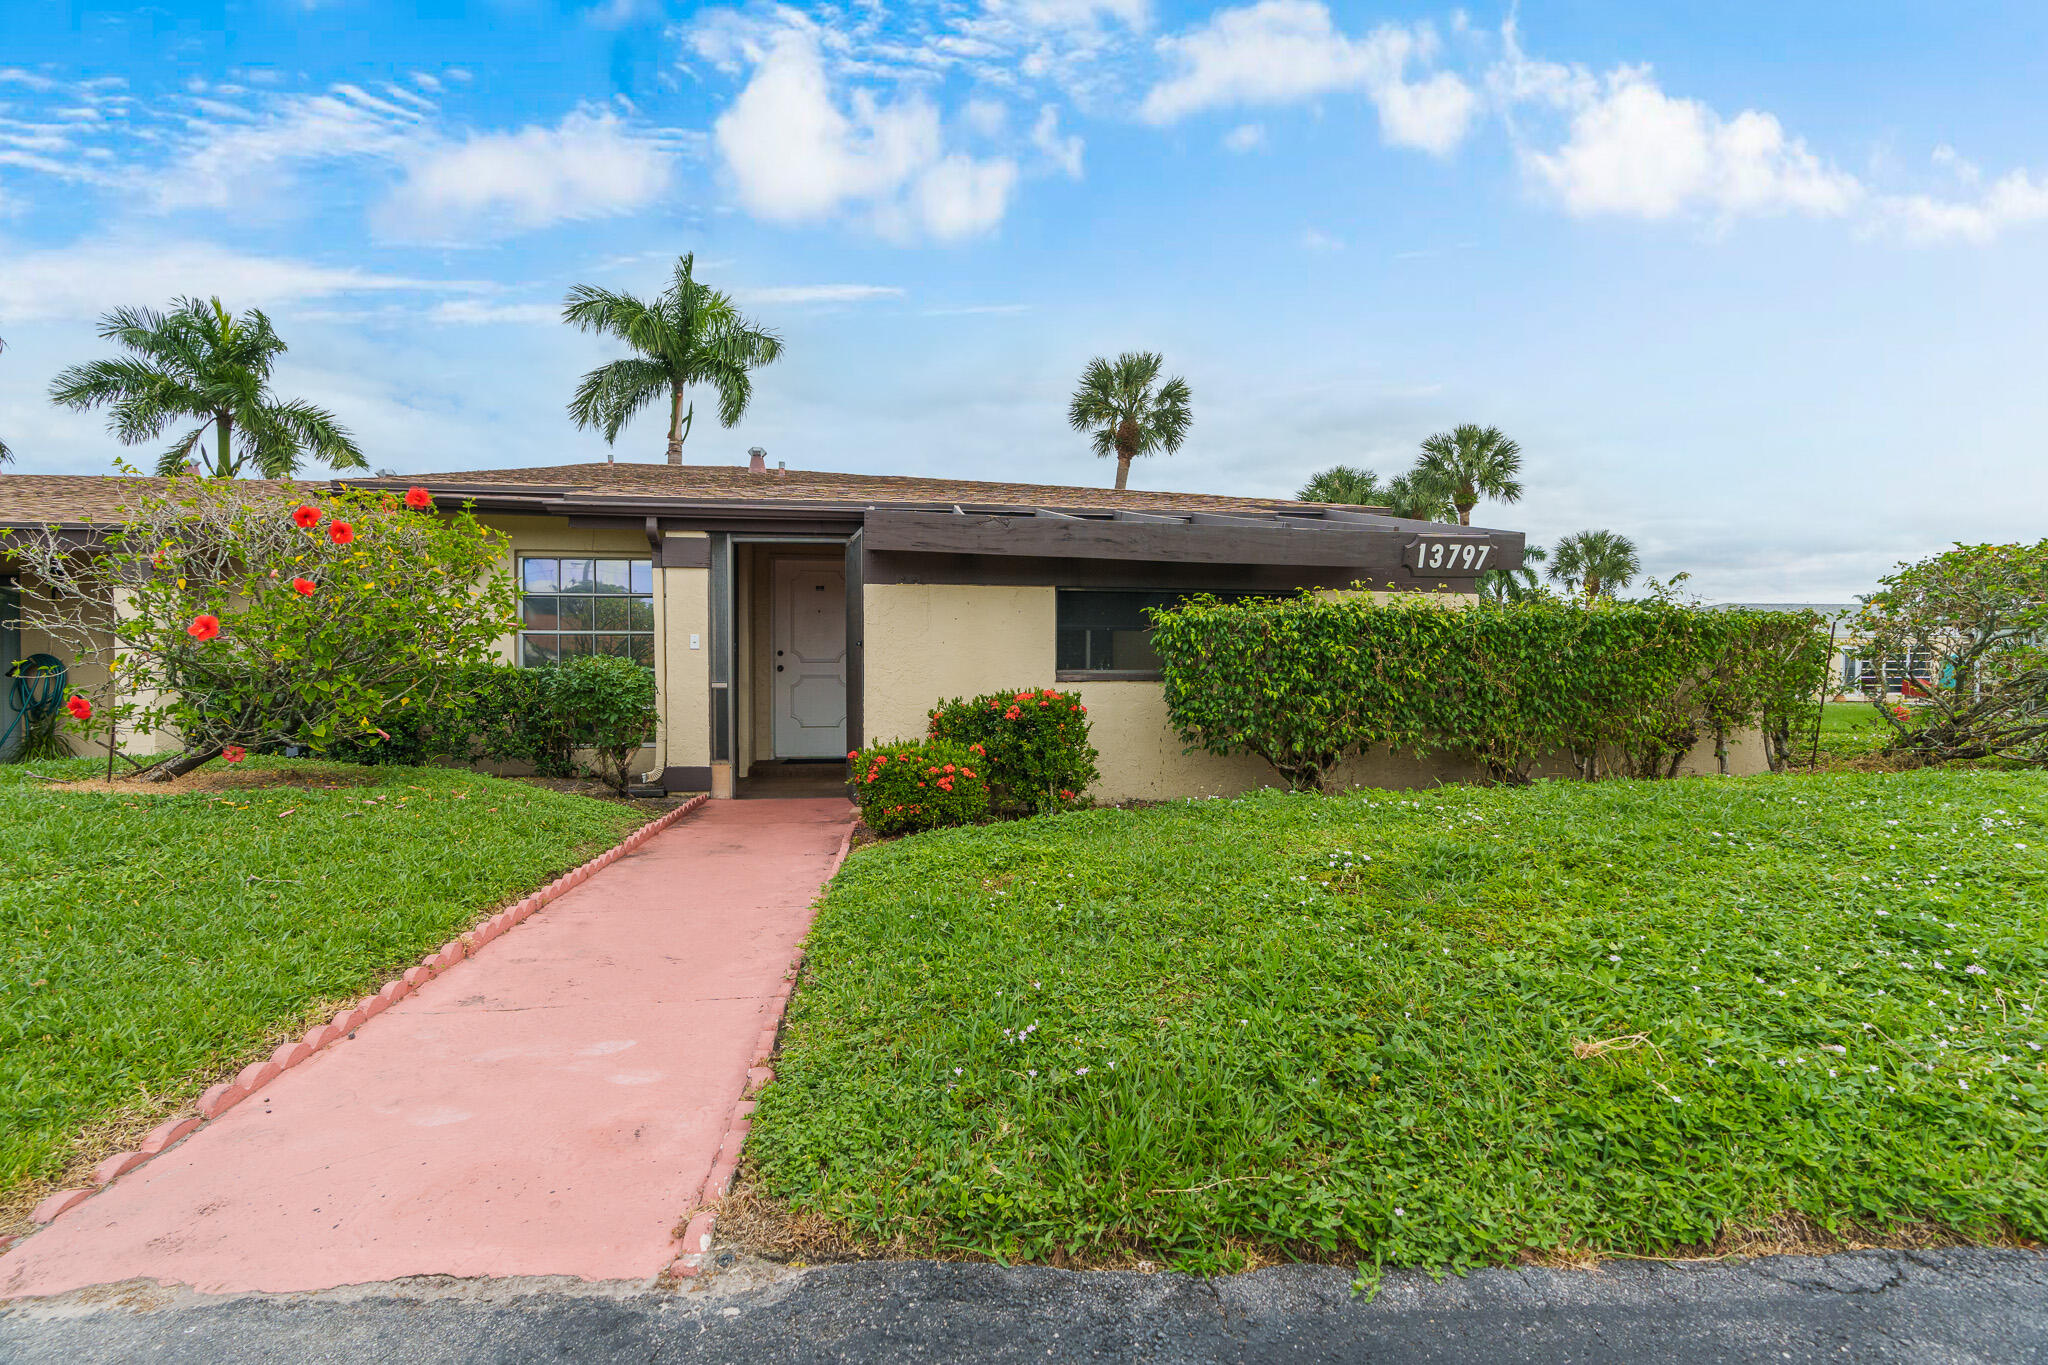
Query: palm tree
[(1344, 483), (689, 334), (1128, 416), (1472, 462), (200, 361), (1593, 563), (5, 453), (1418, 496), (1515, 585)]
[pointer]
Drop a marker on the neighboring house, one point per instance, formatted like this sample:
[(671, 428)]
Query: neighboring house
[(1852, 670), (790, 616)]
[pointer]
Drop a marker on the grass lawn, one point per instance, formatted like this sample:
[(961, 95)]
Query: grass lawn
[(150, 944), (1437, 1028), (1851, 729)]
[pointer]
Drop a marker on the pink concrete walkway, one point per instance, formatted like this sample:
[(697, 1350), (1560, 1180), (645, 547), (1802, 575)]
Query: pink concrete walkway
[(550, 1107)]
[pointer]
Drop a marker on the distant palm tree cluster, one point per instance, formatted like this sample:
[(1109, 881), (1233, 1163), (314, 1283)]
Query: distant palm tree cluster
[(201, 364), (1453, 472)]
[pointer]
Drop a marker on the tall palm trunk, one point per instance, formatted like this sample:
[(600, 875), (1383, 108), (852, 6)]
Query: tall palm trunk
[(1468, 498), (675, 426), (224, 463), (1126, 451)]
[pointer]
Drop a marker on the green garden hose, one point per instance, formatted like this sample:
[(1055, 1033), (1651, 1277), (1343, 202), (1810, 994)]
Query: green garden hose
[(36, 690)]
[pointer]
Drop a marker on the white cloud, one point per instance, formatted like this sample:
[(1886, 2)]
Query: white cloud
[(85, 280), (2014, 200), (591, 165), (480, 312), (1246, 137), (1063, 151), (797, 152), (818, 293), (1315, 239), (1277, 52), (1636, 151), (226, 154)]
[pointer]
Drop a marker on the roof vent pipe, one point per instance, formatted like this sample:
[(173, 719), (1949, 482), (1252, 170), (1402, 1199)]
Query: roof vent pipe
[(757, 460), (781, 469)]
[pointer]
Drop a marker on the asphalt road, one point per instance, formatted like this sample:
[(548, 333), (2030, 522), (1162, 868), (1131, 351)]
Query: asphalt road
[(1928, 1307)]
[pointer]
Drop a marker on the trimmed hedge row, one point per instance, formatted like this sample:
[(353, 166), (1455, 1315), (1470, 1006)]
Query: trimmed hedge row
[(1303, 681)]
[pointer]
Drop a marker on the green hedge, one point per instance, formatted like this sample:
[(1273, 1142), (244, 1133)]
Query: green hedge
[(1302, 682)]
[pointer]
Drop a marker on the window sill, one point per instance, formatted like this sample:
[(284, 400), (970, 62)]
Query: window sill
[(1107, 675)]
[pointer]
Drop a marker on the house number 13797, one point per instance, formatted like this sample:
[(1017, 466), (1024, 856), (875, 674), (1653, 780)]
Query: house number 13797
[(1461, 556)]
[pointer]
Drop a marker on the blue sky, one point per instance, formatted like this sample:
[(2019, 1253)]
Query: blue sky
[(1762, 286)]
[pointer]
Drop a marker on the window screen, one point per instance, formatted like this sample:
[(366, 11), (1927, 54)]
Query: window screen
[(571, 606)]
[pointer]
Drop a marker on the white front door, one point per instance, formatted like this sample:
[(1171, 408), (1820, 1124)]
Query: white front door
[(808, 640)]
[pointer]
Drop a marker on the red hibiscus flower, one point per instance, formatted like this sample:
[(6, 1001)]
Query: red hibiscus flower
[(340, 532), (204, 626), (418, 498), (79, 707), (234, 753), (306, 518), (303, 586)]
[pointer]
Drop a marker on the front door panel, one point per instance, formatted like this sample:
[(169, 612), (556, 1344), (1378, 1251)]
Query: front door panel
[(808, 644)]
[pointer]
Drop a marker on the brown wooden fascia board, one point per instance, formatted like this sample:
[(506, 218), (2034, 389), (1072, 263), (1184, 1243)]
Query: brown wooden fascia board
[(1177, 542)]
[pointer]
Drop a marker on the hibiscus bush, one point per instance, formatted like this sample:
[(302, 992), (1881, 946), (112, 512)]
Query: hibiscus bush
[(912, 785), (1035, 742), (237, 618)]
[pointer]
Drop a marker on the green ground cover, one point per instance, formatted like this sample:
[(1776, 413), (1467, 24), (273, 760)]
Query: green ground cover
[(149, 943), (1851, 729), (1437, 1028)]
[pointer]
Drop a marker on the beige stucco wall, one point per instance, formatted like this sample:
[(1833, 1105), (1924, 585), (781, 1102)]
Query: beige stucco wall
[(923, 643), (928, 642), (683, 609)]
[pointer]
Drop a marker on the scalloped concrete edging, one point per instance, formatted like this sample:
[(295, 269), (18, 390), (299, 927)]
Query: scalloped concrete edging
[(694, 1245), (216, 1100)]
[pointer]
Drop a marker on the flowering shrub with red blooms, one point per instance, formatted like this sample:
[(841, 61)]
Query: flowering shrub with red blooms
[(1035, 741), (79, 707), (221, 647), (910, 786), (418, 499)]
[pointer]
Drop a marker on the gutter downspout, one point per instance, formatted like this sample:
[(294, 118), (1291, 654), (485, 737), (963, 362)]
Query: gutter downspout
[(660, 773)]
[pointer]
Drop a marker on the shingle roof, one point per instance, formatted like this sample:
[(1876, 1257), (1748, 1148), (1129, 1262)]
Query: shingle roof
[(85, 499), (715, 483)]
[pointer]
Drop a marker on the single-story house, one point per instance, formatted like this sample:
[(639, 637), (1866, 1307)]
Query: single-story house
[(790, 616)]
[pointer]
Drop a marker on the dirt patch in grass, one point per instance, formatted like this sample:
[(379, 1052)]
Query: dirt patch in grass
[(222, 777)]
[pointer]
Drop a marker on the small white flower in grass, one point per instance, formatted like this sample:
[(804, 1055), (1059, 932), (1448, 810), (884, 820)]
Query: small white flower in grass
[(1964, 1084), (1831, 1071), (1870, 1070), (1400, 1212), (1974, 970), (956, 1071), (1614, 957), (1032, 1072), (1080, 1071)]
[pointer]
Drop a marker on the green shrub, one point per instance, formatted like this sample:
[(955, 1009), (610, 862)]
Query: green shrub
[(608, 704), (501, 713), (1035, 741), (912, 785), (1304, 681)]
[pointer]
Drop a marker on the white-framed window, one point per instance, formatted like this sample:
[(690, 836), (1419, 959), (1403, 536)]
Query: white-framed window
[(585, 604)]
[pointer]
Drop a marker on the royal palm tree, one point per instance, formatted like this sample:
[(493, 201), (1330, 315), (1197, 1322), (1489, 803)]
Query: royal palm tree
[(199, 361), (1344, 483), (688, 334), (1471, 462), (1117, 401), (1594, 563)]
